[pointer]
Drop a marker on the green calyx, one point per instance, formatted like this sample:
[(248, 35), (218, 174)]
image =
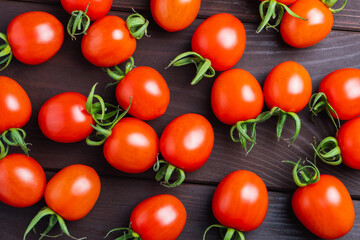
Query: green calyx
[(137, 25), (272, 6), (53, 220), (203, 65), (117, 74), (165, 172), (5, 52), (79, 23), (230, 232), (128, 234), (318, 103), (304, 175), (330, 3), (241, 129), (328, 151), (14, 137)]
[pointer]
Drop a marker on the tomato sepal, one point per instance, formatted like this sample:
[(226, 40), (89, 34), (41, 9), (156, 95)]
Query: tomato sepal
[(318, 103), (241, 127), (117, 74), (164, 173), (137, 25), (128, 233), (304, 175), (230, 232), (203, 65), (328, 151), (330, 3), (78, 23), (6, 54), (14, 137)]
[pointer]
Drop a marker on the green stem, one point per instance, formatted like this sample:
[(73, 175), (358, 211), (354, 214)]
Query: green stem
[(5, 52), (241, 129), (137, 25), (328, 151), (318, 103), (310, 174), (128, 233), (3, 150), (79, 23), (330, 3), (165, 173), (117, 74), (15, 137), (230, 232)]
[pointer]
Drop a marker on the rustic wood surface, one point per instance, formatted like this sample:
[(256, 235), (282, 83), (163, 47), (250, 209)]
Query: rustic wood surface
[(69, 71)]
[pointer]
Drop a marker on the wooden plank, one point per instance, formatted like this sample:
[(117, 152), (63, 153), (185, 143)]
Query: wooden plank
[(119, 196), (246, 11), (69, 71)]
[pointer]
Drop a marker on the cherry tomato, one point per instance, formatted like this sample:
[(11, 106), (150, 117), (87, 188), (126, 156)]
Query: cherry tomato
[(63, 118), (161, 217), (348, 141), (288, 86), (325, 207), (149, 91), (73, 191), (236, 96), (132, 146), (96, 10), (108, 42), (221, 38), (299, 33), (342, 89), (174, 15), (22, 180), (241, 201), (15, 105), (35, 37), (187, 142)]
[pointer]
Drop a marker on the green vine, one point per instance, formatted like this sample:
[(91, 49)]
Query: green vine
[(137, 25), (230, 232), (330, 3), (318, 103), (304, 175), (14, 137), (128, 234), (5, 52), (328, 151), (164, 174), (79, 23), (117, 74)]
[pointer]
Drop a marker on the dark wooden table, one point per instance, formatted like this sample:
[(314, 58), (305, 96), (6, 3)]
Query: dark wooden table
[(69, 71)]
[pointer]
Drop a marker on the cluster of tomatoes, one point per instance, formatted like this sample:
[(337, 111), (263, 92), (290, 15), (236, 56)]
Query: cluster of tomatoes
[(131, 145)]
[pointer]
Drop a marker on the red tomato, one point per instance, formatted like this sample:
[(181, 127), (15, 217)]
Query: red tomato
[(221, 38), (236, 96), (132, 146), (299, 33), (325, 207), (73, 191), (22, 180), (342, 89), (348, 141), (96, 10), (288, 86), (174, 15), (149, 91), (108, 42), (187, 142), (286, 2), (241, 201), (35, 37), (161, 217), (63, 118), (15, 105)]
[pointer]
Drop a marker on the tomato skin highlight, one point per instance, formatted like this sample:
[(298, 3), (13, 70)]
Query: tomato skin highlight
[(22, 180), (325, 207), (35, 37), (96, 10), (349, 142), (174, 15), (236, 96), (342, 89), (161, 217), (187, 142), (241, 201), (221, 38), (299, 33), (132, 146), (63, 118), (15, 105), (149, 91), (73, 191), (108, 42), (288, 86)]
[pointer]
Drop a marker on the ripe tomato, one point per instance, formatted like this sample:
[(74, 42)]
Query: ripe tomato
[(325, 207), (187, 142), (241, 201), (73, 191), (149, 91), (35, 37), (108, 42), (22, 180), (63, 118), (348, 140), (342, 89), (299, 33), (96, 10), (174, 15), (161, 217), (288, 86), (236, 96), (15, 105), (221, 38), (132, 146)]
